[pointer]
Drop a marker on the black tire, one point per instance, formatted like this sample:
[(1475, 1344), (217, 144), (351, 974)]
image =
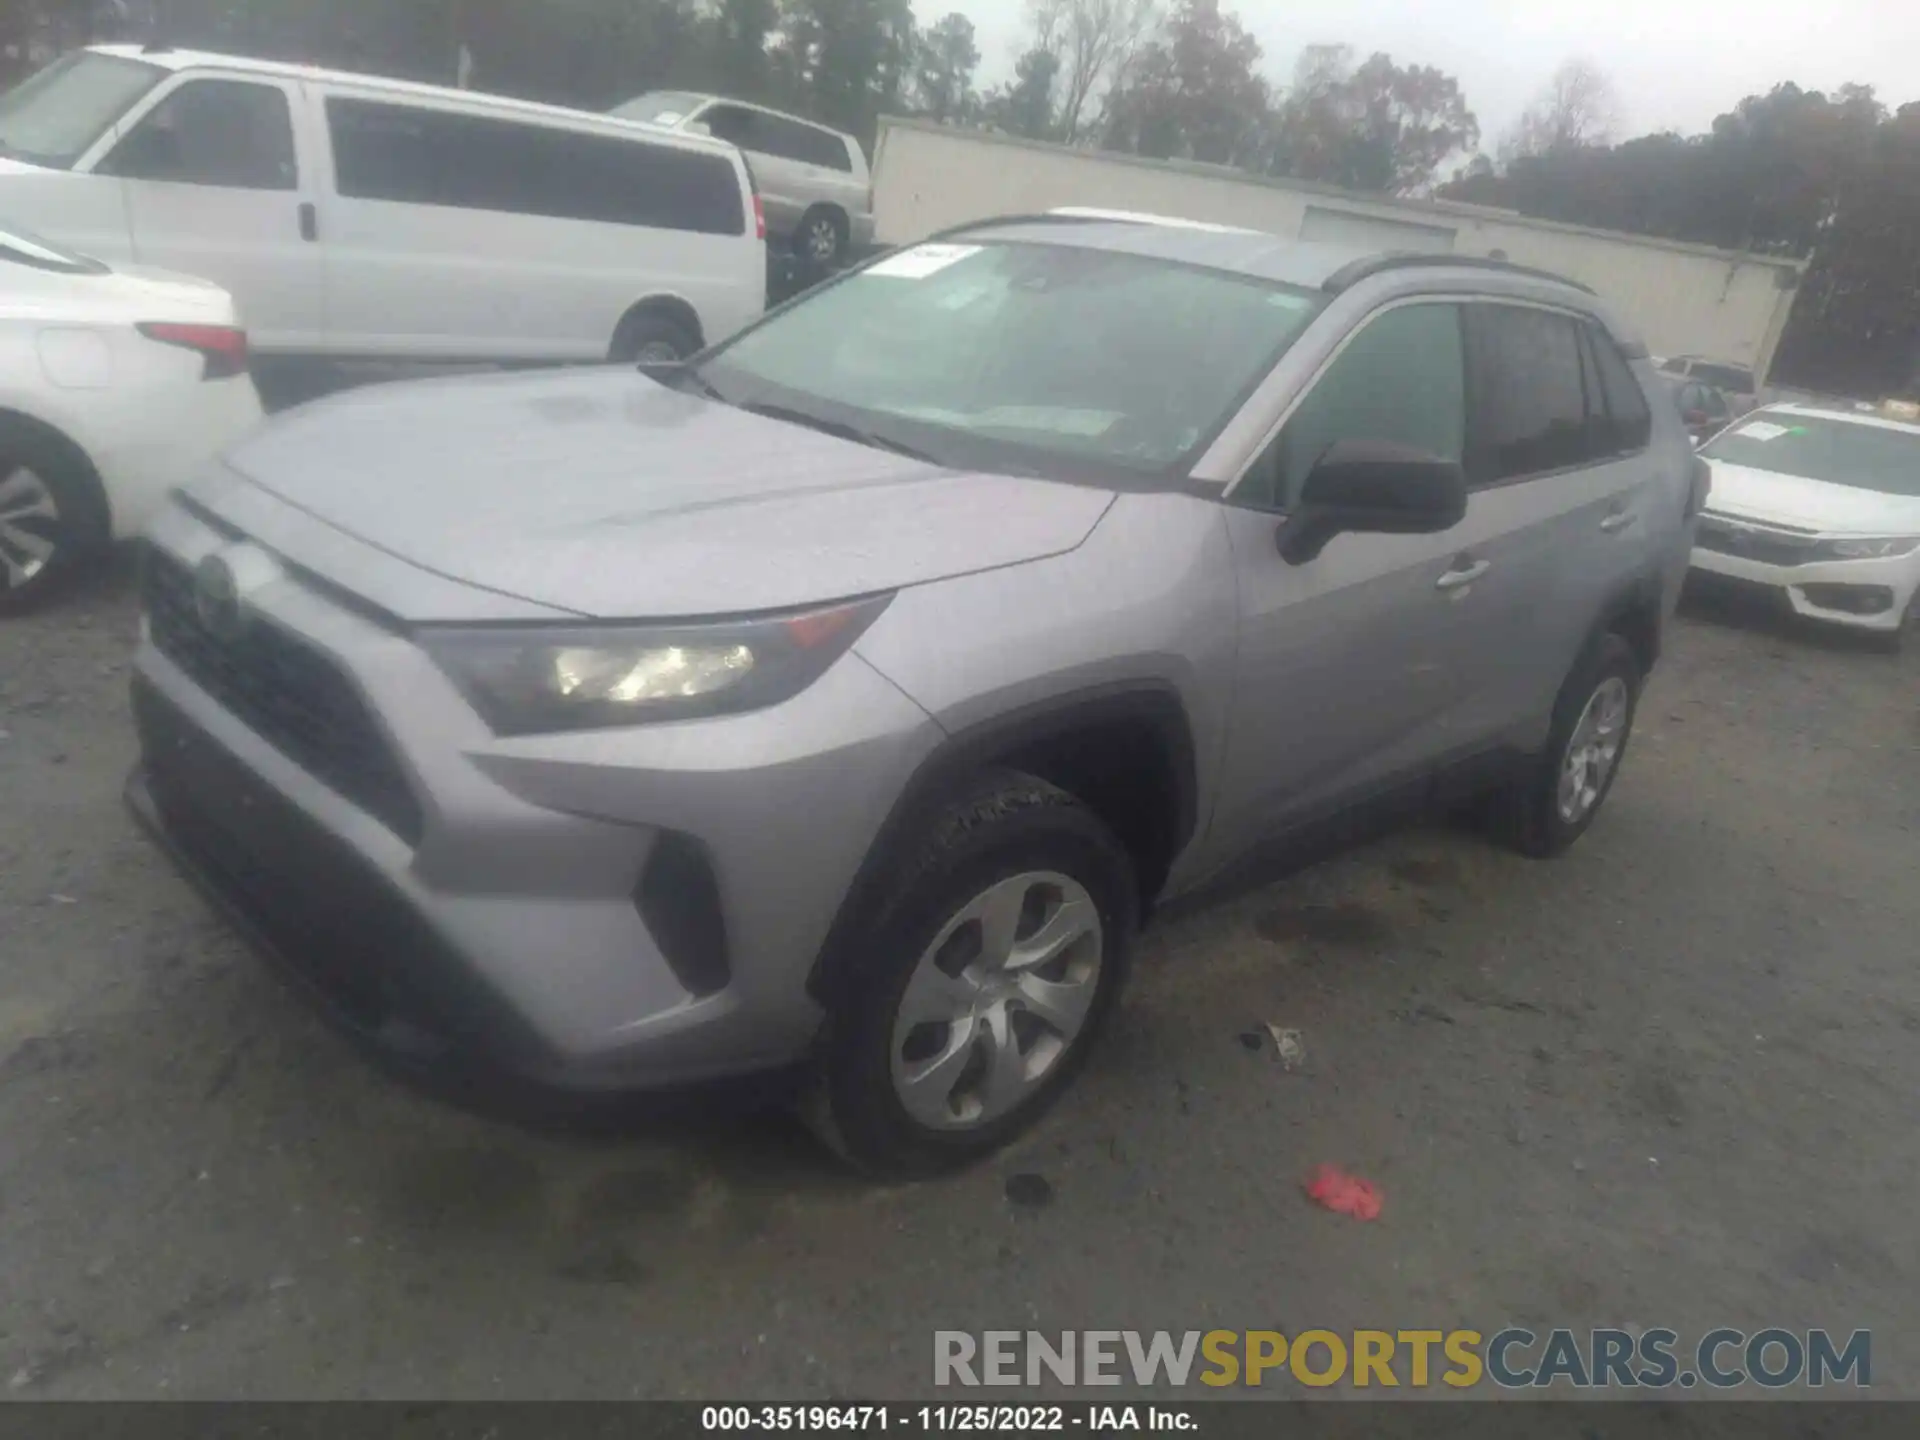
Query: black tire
[(1003, 825), (646, 330), (1529, 817), (76, 529), (821, 239)]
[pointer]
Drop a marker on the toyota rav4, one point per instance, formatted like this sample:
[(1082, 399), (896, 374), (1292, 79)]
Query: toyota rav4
[(846, 697)]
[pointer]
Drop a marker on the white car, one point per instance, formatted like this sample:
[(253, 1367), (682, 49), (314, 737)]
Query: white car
[(116, 386), (1823, 508)]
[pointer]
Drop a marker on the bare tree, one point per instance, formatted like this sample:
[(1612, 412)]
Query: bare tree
[(1094, 41), (1579, 106)]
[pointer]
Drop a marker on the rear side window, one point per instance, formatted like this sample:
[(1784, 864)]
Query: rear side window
[(224, 133), (1628, 421), (1530, 396), (436, 157), (1401, 378), (778, 136), (810, 145)]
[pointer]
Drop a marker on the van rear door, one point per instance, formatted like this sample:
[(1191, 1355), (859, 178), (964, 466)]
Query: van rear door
[(212, 177)]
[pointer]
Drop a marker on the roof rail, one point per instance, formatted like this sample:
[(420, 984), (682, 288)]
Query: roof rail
[(1350, 275)]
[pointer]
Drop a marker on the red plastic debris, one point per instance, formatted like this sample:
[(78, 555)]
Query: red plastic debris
[(1344, 1194)]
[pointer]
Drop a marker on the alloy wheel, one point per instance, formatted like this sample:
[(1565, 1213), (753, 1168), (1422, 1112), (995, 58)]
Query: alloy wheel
[(997, 1000), (823, 240), (29, 526), (1593, 749)]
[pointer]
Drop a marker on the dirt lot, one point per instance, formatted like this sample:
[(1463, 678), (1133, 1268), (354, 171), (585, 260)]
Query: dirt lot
[(1668, 1080)]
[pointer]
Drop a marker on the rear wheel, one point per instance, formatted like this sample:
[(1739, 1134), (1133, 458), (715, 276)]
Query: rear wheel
[(49, 517), (1561, 791), (822, 237), (988, 972)]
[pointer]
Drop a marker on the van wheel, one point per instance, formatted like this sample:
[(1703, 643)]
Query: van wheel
[(1562, 790), (648, 337), (822, 236), (50, 515), (990, 967)]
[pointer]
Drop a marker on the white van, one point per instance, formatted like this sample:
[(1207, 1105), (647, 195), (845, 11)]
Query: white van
[(352, 216)]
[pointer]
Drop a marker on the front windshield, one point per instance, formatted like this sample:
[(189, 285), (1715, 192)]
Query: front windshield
[(1048, 358), (659, 107), (1844, 452), (52, 117)]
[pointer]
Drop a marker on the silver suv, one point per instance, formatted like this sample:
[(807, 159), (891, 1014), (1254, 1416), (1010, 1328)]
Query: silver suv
[(813, 182), (847, 696)]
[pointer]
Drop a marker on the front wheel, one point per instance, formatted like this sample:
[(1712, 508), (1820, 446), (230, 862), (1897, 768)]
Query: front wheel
[(988, 971), (1562, 790), (651, 338)]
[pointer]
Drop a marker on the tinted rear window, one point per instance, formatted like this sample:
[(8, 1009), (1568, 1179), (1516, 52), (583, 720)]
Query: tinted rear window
[(437, 157), (1728, 377)]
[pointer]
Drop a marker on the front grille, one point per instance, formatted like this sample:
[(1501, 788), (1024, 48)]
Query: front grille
[(290, 694), (1771, 545)]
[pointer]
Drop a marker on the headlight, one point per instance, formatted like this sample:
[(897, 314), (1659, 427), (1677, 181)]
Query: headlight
[(539, 679), (1878, 547)]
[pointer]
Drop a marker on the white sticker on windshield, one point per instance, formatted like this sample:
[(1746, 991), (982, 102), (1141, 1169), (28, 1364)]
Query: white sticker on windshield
[(1762, 430), (921, 261)]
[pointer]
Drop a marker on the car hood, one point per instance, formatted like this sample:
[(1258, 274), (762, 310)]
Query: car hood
[(1810, 504), (607, 494)]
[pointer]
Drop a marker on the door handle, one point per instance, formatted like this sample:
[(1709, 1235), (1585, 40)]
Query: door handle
[(1465, 575), (1618, 521), (309, 221)]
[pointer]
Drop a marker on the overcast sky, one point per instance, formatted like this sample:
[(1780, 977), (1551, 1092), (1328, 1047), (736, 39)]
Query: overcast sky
[(1675, 66)]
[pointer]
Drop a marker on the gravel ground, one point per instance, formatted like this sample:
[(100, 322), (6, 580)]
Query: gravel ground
[(1667, 1080)]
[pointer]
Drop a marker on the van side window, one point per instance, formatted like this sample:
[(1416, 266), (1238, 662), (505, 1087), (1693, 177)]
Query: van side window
[(734, 125), (212, 132), (424, 156), (1530, 398), (808, 144), (1400, 378), (1630, 420)]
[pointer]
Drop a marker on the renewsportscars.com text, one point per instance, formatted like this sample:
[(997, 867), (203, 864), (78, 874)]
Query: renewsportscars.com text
[(1511, 1359)]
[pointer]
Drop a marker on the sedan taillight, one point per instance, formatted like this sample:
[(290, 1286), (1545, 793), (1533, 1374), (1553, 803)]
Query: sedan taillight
[(223, 347)]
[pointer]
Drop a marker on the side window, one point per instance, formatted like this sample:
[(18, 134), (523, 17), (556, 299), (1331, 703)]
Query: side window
[(733, 125), (1401, 377), (212, 132), (825, 149), (1530, 399), (471, 162), (1626, 403)]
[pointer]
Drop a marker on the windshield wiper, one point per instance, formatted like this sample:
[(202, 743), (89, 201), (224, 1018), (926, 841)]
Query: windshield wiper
[(837, 428)]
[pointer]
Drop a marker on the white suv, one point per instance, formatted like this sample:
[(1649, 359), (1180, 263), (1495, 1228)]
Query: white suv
[(813, 181)]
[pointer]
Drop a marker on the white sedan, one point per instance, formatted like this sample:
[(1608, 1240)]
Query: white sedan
[(116, 386), (1821, 507)]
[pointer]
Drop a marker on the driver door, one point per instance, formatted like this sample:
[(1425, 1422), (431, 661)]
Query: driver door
[(1348, 663)]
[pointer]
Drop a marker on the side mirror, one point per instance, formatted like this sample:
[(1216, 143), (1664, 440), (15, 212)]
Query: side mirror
[(1372, 487)]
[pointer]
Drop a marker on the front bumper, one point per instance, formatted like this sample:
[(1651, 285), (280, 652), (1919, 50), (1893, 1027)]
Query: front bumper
[(509, 930), (1861, 594)]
